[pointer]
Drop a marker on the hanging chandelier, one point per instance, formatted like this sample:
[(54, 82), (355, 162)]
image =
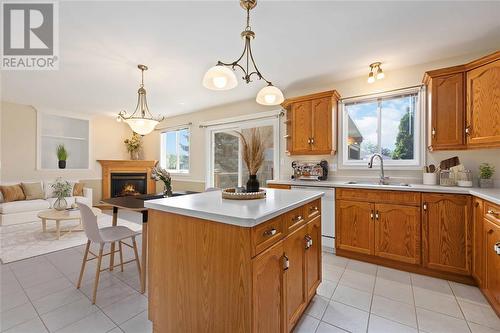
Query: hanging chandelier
[(221, 76), (141, 121)]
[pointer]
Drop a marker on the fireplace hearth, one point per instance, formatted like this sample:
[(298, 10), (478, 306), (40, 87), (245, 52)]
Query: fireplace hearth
[(128, 184)]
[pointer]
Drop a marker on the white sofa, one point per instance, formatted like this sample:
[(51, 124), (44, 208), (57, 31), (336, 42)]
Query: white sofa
[(23, 211)]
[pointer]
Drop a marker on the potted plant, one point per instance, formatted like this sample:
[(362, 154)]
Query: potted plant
[(61, 189), (486, 171), (253, 155), (134, 145), (158, 173), (62, 156)]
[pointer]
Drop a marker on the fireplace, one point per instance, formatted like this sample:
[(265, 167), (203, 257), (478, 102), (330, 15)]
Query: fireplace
[(128, 184)]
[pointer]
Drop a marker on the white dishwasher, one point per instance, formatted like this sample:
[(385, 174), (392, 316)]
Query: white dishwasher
[(327, 214)]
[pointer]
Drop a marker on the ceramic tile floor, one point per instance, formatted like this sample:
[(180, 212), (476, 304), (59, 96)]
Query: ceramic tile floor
[(39, 295)]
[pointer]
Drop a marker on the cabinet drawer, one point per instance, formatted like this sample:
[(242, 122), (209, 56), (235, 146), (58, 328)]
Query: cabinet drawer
[(313, 209), (266, 234), (294, 219), (379, 196), (492, 212)]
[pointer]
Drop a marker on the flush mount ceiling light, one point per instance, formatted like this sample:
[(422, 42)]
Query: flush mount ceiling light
[(222, 77), (375, 72), (141, 121)]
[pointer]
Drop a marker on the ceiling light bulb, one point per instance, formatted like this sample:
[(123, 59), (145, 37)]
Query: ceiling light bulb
[(219, 81), (380, 74), (219, 78), (270, 95), (371, 78)]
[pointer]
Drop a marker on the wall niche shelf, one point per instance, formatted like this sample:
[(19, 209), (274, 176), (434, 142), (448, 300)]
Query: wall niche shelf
[(72, 132)]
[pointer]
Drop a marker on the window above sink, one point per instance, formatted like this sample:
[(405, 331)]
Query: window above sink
[(387, 123)]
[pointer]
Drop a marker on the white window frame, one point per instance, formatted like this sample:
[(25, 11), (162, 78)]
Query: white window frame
[(419, 139), (236, 124), (163, 155)]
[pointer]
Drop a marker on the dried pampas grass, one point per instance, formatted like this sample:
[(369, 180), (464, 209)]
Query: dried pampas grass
[(253, 150)]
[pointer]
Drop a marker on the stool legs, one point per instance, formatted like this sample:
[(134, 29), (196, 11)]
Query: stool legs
[(97, 272), (134, 244), (121, 254), (79, 284)]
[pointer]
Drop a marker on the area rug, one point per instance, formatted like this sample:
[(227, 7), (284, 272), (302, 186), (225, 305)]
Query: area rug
[(27, 240)]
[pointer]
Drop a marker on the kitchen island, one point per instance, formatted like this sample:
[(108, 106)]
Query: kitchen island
[(218, 265)]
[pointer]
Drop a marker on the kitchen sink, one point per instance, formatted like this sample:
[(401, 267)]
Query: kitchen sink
[(376, 183)]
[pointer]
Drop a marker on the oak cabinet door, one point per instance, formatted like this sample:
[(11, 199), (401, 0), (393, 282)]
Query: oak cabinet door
[(313, 256), (448, 112), (478, 249), (397, 232), (447, 233), (354, 226), (301, 127), (483, 105), (267, 291), (492, 240), (322, 125), (294, 276)]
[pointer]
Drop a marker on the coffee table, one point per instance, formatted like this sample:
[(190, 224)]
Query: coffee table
[(62, 215)]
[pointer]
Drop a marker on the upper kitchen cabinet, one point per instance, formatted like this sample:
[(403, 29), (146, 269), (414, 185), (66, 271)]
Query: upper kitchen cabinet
[(463, 105), (483, 105), (446, 110), (311, 123)]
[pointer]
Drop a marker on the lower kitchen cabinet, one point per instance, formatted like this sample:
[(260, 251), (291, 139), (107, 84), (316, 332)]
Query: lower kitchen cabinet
[(267, 279), (354, 226), (491, 283), (478, 251), (397, 233), (447, 233), (295, 275), (313, 256)]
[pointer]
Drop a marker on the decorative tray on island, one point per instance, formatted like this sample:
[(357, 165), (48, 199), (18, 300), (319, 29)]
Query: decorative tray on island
[(231, 194)]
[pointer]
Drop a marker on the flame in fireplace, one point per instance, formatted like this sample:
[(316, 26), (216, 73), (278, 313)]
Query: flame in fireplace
[(129, 189)]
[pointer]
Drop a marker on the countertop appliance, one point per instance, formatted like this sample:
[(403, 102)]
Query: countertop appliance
[(310, 170), (327, 215)]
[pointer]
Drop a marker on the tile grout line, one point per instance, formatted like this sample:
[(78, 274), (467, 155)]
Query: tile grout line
[(414, 303), (371, 302), (459, 306)]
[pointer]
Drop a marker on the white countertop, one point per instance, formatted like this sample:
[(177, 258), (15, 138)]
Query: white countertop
[(489, 194), (243, 213)]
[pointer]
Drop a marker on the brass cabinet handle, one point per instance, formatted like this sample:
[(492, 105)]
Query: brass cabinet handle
[(309, 241), (270, 232), (467, 130), (309, 140), (492, 212), (312, 140), (286, 262), (433, 132), (425, 206), (496, 248), (371, 214), (297, 218), (376, 215), (313, 209)]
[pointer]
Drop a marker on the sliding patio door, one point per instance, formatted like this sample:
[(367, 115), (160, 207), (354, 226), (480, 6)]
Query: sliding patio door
[(227, 168)]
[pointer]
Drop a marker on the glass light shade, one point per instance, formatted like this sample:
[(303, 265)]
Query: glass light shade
[(380, 74), (142, 126), (371, 78), (270, 95), (219, 78)]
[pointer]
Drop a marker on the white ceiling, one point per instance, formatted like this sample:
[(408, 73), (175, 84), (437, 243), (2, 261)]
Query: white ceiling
[(296, 41)]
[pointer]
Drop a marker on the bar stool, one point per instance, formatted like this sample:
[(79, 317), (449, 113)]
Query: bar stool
[(104, 236)]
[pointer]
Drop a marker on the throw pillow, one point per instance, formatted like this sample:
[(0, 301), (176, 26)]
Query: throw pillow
[(78, 189), (32, 190), (12, 193)]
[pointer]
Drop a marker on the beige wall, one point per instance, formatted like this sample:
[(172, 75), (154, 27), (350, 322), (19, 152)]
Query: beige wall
[(394, 79), (18, 146)]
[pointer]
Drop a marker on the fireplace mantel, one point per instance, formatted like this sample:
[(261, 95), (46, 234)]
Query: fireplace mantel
[(125, 166)]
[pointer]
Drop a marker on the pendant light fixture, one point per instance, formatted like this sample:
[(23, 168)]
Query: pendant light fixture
[(222, 77), (141, 121), (376, 72)]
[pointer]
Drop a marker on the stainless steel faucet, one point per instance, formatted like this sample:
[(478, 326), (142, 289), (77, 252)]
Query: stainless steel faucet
[(383, 180)]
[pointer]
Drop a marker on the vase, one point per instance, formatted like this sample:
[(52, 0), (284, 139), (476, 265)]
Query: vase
[(62, 164), (253, 184), (60, 204), (167, 192), (134, 155), (485, 183)]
